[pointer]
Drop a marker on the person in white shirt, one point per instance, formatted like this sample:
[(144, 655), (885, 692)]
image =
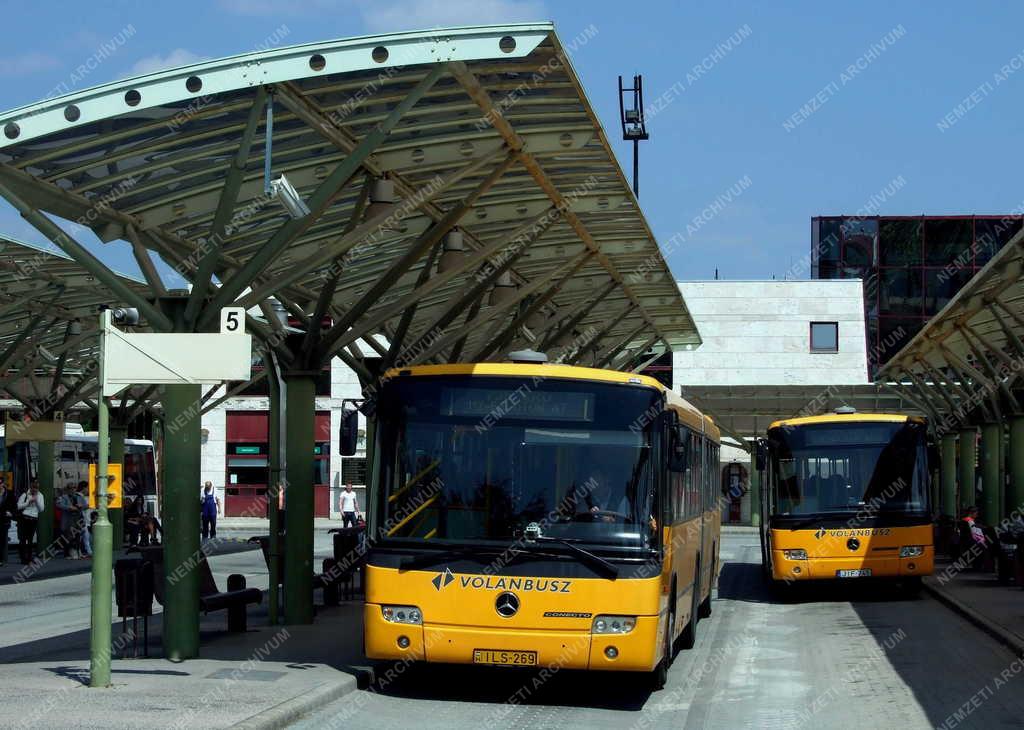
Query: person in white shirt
[(30, 507), (349, 507)]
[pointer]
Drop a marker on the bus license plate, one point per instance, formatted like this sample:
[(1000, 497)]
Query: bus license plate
[(861, 573), (499, 656)]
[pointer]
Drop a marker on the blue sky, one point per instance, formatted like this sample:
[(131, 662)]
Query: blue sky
[(820, 108)]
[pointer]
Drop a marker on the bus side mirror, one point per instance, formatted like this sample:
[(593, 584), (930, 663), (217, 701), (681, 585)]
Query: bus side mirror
[(761, 454), (679, 451), (349, 432)]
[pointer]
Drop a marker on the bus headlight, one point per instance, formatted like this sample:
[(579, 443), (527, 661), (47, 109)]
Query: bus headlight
[(613, 624), (797, 554), (911, 551), (402, 614)]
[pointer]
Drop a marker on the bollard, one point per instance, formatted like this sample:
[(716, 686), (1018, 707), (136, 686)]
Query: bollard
[(237, 622)]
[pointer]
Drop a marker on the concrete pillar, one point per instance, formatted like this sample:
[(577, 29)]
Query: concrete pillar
[(947, 475), (116, 516), (300, 404), (968, 454), (181, 520), (1015, 462), (755, 492), (44, 472), (991, 441)]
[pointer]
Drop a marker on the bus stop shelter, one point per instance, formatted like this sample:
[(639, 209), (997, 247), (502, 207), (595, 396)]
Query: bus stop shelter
[(964, 370), (440, 196)]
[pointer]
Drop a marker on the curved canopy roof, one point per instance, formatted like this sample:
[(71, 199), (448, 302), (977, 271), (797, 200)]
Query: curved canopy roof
[(484, 131), (968, 360), (49, 330)]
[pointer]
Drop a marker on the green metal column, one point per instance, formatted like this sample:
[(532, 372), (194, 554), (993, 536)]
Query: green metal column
[(181, 521), (102, 561), (968, 455), (300, 405), (947, 475), (755, 491), (274, 485), (991, 441), (1015, 462), (117, 434), (100, 611), (45, 474)]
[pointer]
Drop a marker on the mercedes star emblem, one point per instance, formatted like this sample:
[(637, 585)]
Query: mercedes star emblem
[(853, 543), (507, 604)]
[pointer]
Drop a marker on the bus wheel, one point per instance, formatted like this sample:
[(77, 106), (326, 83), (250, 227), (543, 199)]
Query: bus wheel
[(704, 610), (659, 677), (689, 636)]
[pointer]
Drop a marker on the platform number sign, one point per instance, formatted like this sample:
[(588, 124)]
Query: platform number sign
[(232, 321)]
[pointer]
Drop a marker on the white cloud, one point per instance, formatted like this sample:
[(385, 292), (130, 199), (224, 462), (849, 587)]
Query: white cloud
[(27, 63), (156, 62), (392, 15)]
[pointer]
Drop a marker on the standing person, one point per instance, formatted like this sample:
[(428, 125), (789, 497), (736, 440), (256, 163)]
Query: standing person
[(31, 506), (349, 506), (65, 502), (209, 506), (8, 508), (82, 537)]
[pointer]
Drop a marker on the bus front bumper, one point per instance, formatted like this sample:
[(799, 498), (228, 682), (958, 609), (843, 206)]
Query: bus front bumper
[(639, 650), (822, 568)]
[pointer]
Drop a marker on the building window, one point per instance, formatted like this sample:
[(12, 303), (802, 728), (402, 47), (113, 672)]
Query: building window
[(353, 470), (824, 337)]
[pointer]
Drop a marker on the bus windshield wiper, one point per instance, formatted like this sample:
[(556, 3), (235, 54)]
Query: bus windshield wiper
[(594, 561)]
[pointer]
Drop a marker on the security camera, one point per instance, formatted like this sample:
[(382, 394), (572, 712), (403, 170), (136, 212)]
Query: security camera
[(124, 315), (289, 197), (46, 354)]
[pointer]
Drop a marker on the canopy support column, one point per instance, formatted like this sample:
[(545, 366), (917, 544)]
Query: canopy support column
[(181, 521), (1015, 461), (300, 405), (991, 443), (948, 475), (44, 471), (968, 455)]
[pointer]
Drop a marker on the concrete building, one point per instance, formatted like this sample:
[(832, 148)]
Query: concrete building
[(760, 333), (772, 349)]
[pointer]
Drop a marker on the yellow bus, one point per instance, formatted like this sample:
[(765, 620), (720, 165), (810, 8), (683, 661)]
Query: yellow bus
[(534, 514), (846, 495)]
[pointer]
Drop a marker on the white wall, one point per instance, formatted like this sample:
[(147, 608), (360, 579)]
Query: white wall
[(758, 333)]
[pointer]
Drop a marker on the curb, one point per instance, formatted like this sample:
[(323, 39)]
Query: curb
[(1001, 634), (291, 710)]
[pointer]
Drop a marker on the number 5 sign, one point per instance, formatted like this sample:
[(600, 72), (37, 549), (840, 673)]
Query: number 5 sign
[(232, 321)]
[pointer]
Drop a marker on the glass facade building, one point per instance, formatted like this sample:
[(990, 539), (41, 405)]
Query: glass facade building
[(911, 266)]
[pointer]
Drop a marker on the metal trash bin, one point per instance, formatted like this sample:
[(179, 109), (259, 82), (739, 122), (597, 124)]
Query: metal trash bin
[(133, 592)]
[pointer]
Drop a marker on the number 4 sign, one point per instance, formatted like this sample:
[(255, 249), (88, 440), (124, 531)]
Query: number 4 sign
[(232, 321)]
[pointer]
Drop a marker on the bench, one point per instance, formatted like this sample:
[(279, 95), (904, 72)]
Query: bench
[(326, 581), (235, 599)]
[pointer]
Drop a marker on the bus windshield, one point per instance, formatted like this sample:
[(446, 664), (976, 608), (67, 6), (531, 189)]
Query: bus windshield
[(485, 458), (843, 467)]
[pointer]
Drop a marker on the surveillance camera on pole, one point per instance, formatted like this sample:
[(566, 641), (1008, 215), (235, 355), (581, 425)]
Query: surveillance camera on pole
[(289, 197)]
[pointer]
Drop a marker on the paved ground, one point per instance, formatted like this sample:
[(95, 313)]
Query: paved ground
[(263, 678), (853, 657)]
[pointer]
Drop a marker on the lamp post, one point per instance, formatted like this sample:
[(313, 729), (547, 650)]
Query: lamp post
[(103, 542)]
